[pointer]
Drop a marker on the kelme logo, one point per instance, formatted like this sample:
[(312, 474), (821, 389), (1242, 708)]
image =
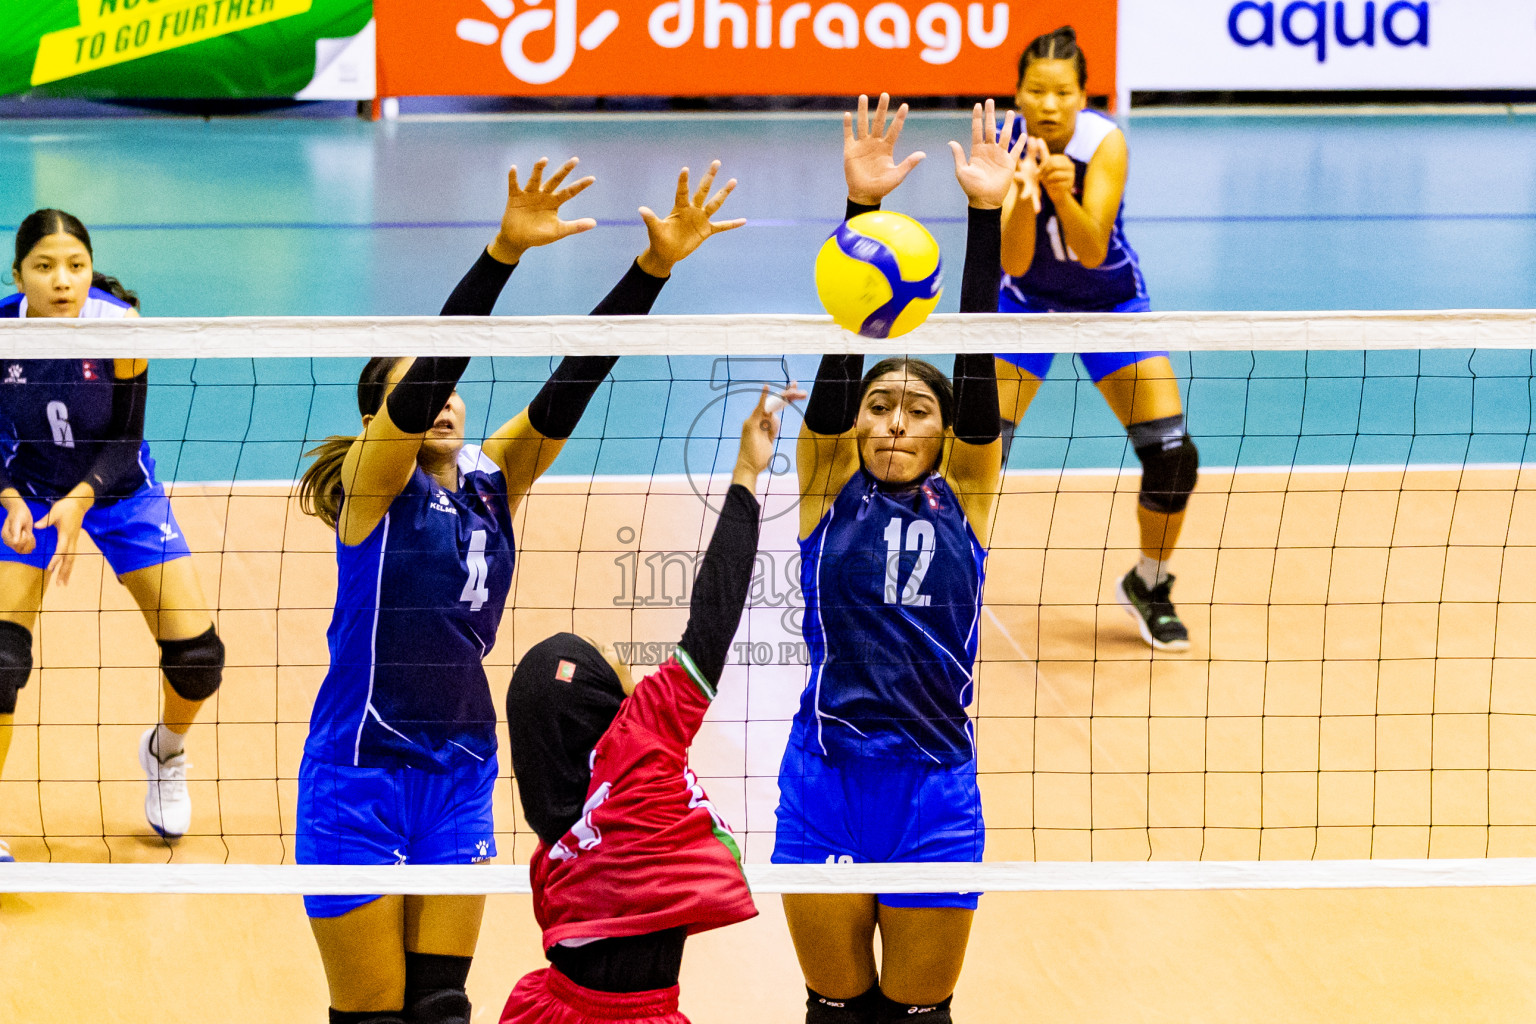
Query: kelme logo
[(537, 18), (1402, 23)]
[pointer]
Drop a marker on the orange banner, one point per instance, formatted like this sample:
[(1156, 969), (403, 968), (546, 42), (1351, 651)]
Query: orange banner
[(724, 47)]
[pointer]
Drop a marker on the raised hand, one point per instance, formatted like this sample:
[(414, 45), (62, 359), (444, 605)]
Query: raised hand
[(758, 432), (1026, 179), (674, 237), (532, 216), (987, 175), (869, 152)]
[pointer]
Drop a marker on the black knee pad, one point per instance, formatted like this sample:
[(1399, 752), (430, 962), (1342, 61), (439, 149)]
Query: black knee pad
[(434, 989), (194, 667), (15, 663), (891, 1011), (1170, 463), (859, 1010)]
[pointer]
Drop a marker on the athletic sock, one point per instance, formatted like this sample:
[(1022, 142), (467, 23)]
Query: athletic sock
[(1152, 572), (167, 744), (367, 1016), (931, 1013)]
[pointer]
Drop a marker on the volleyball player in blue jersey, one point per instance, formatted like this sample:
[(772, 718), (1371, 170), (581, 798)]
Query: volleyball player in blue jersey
[(400, 763), (1065, 250), (72, 434), (898, 481)]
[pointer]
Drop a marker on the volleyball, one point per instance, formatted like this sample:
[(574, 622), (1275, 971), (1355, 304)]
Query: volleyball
[(879, 274)]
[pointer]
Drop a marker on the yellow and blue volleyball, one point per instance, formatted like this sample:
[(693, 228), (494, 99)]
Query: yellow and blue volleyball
[(879, 274)]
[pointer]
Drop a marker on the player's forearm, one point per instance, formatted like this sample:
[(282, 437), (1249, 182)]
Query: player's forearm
[(983, 261), (1084, 235), (560, 403), (423, 390), (976, 412), (854, 208), (125, 434), (636, 291), (833, 407), (478, 290), (720, 589), (1018, 241)]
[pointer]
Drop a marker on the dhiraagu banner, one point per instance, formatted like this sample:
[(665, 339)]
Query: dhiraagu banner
[(188, 49)]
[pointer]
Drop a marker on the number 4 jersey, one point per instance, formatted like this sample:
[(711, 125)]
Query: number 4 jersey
[(892, 581), (418, 604)]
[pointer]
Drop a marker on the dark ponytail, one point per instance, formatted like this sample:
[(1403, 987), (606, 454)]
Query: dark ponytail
[(321, 490), (1058, 45), (39, 224), (113, 286)]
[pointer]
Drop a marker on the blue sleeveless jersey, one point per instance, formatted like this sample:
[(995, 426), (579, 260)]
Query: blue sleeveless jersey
[(418, 604), (892, 582), (1056, 281), (54, 415)]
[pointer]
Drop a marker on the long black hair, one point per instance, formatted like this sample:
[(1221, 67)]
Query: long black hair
[(320, 489), (1058, 45), (39, 224)]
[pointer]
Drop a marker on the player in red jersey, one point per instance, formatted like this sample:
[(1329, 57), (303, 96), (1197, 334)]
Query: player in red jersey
[(632, 856)]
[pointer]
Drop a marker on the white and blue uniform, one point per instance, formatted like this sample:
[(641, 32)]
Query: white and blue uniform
[(54, 417), (881, 761), (400, 763), (100, 304), (1057, 283)]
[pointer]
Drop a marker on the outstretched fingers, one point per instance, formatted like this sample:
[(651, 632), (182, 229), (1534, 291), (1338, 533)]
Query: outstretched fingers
[(567, 228), (863, 123), (574, 189), (893, 135), (680, 200), (959, 154), (706, 183), (877, 127), (536, 176), (713, 206), (560, 174)]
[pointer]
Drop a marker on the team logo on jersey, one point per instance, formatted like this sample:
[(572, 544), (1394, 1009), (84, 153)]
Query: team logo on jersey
[(482, 851), (13, 374), (565, 671), (440, 503)]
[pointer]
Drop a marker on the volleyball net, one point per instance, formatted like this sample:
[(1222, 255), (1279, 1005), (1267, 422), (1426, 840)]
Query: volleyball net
[(1357, 570)]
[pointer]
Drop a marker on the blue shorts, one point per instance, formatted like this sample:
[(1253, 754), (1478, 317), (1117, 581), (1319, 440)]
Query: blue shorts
[(879, 812), (351, 815), (1098, 364), (133, 533)]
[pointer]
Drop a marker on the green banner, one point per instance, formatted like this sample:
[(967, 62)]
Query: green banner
[(186, 49)]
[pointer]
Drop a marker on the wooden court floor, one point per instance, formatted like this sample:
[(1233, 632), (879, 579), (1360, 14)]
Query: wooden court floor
[(1358, 686)]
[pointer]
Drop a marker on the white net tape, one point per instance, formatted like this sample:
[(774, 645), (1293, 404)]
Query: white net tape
[(303, 337), (465, 880)]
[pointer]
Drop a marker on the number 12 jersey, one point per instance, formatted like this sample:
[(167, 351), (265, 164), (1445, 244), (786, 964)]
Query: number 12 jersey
[(892, 581), (418, 604)]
